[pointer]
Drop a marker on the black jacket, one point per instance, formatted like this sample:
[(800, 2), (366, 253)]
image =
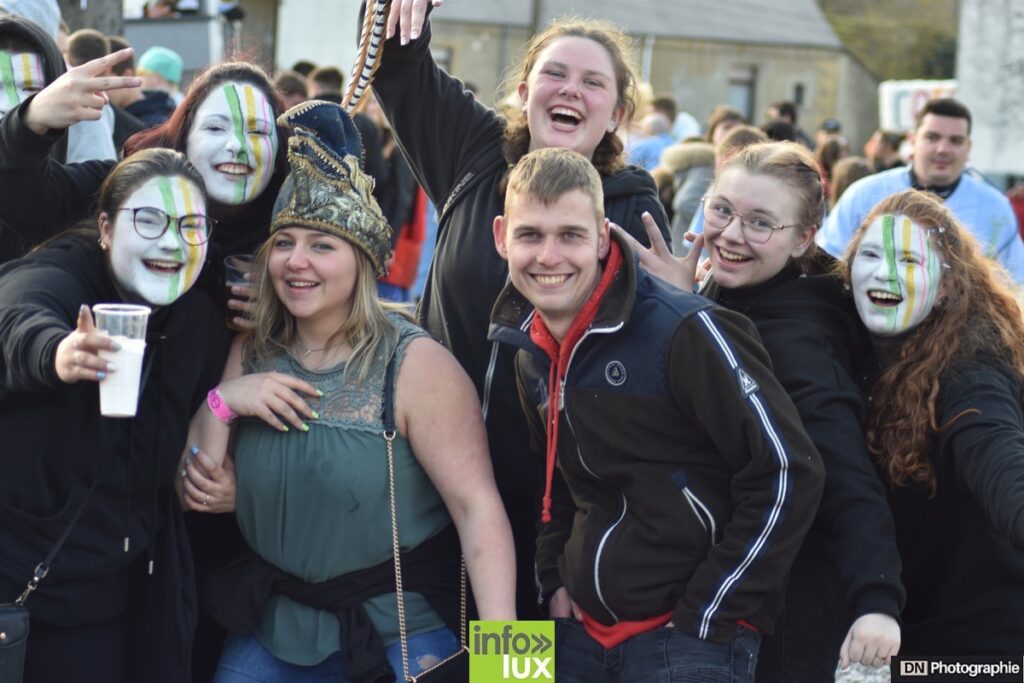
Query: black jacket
[(690, 479), (12, 245), (811, 330), (451, 140), (154, 108), (55, 443), (963, 550)]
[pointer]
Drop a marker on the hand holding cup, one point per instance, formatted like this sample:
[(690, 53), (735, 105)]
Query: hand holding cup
[(78, 355)]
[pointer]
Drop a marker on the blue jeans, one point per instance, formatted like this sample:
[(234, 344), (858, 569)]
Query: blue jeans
[(664, 655), (245, 660)]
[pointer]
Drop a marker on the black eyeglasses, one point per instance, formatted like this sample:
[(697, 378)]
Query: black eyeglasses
[(757, 227), (151, 224)]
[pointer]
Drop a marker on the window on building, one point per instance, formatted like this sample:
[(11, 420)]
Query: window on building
[(742, 84)]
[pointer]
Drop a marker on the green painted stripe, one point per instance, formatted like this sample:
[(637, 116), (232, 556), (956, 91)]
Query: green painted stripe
[(239, 121), (164, 183), (7, 78), (889, 244)]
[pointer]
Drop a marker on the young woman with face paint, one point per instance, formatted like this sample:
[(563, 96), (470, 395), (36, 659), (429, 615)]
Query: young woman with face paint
[(101, 614), (945, 422), (575, 89), (760, 216), (313, 500), (225, 125)]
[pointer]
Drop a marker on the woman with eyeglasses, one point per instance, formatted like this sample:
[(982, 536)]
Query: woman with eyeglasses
[(118, 603), (760, 217)]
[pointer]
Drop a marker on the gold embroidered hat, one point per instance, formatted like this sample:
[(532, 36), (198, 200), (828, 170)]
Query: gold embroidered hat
[(325, 189)]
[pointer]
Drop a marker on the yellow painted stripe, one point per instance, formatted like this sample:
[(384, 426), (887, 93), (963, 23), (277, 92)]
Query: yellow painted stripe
[(194, 261), (27, 73), (250, 120), (908, 263)]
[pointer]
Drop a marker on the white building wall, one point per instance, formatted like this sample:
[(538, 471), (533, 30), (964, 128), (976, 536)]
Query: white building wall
[(324, 32)]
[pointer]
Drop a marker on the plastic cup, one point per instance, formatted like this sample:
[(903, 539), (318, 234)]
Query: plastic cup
[(237, 271), (126, 324)]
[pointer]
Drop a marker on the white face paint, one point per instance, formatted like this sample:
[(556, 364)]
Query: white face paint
[(156, 271), (233, 143), (21, 75), (895, 275)]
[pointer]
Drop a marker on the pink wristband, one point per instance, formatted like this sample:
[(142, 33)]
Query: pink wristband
[(219, 407)]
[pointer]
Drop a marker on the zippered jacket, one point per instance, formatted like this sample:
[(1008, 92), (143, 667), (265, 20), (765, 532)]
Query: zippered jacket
[(685, 480)]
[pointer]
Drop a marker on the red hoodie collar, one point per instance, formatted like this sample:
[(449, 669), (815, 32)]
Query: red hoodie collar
[(560, 354)]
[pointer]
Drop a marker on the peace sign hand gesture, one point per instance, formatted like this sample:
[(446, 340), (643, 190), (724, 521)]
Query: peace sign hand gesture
[(78, 95)]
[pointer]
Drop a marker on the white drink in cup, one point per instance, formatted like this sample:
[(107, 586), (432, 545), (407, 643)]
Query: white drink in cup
[(126, 324)]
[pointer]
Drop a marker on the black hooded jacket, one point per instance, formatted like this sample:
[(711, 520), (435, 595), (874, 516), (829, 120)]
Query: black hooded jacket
[(56, 445), (22, 34), (453, 144)]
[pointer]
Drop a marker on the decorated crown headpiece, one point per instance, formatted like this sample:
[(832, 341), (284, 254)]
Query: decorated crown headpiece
[(325, 189)]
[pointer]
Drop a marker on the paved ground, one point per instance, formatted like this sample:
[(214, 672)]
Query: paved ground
[(863, 674)]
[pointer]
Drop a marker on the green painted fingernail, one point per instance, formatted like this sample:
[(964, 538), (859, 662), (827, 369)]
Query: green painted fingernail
[(305, 427), (316, 415), (284, 428), (319, 393)]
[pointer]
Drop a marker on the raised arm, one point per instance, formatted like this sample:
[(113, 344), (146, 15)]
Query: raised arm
[(437, 409)]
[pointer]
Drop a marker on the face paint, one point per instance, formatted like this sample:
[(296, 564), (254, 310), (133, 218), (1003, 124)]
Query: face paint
[(157, 271), (233, 143), (895, 275), (21, 75)]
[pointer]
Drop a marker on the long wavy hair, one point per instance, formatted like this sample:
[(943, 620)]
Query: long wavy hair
[(976, 313), (367, 328), (608, 156)]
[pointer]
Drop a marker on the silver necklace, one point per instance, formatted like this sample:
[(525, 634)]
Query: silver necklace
[(306, 350)]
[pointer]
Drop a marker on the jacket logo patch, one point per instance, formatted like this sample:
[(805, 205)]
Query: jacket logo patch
[(615, 373), (747, 384)]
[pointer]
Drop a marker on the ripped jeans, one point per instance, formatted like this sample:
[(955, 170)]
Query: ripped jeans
[(245, 660)]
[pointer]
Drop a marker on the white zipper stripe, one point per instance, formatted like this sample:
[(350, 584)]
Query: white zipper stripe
[(689, 501), (783, 486), (692, 498), (597, 561)]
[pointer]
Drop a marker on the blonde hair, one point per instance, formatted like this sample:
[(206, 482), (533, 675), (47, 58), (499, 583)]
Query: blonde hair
[(548, 174), (366, 329)]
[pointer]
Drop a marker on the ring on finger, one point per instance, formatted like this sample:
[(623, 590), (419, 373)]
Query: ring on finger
[(206, 500)]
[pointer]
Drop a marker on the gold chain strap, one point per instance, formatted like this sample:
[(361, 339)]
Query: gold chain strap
[(389, 437)]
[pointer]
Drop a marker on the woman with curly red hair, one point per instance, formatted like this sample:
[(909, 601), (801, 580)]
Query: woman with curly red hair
[(946, 422)]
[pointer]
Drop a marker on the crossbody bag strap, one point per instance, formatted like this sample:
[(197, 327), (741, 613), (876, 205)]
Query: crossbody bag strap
[(390, 432), (43, 568)]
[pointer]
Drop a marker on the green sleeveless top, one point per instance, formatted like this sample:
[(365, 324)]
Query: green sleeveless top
[(316, 503)]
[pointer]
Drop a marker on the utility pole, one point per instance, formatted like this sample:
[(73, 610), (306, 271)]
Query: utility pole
[(105, 16)]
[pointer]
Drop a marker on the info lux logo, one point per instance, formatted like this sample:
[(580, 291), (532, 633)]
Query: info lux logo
[(511, 651)]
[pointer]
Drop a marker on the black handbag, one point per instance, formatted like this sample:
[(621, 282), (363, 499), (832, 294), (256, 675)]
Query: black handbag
[(454, 668), (14, 617)]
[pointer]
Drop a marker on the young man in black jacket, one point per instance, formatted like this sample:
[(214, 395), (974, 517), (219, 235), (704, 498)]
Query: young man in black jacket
[(684, 483)]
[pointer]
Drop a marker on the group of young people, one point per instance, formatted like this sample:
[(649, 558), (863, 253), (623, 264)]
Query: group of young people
[(806, 463)]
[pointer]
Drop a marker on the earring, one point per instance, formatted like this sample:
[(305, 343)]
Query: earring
[(102, 243), (612, 125)]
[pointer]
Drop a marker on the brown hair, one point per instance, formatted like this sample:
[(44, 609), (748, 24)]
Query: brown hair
[(720, 115), (328, 78), (792, 164), (976, 314), (291, 83), (119, 43), (846, 172), (548, 174), (738, 140), (608, 156), (85, 45)]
